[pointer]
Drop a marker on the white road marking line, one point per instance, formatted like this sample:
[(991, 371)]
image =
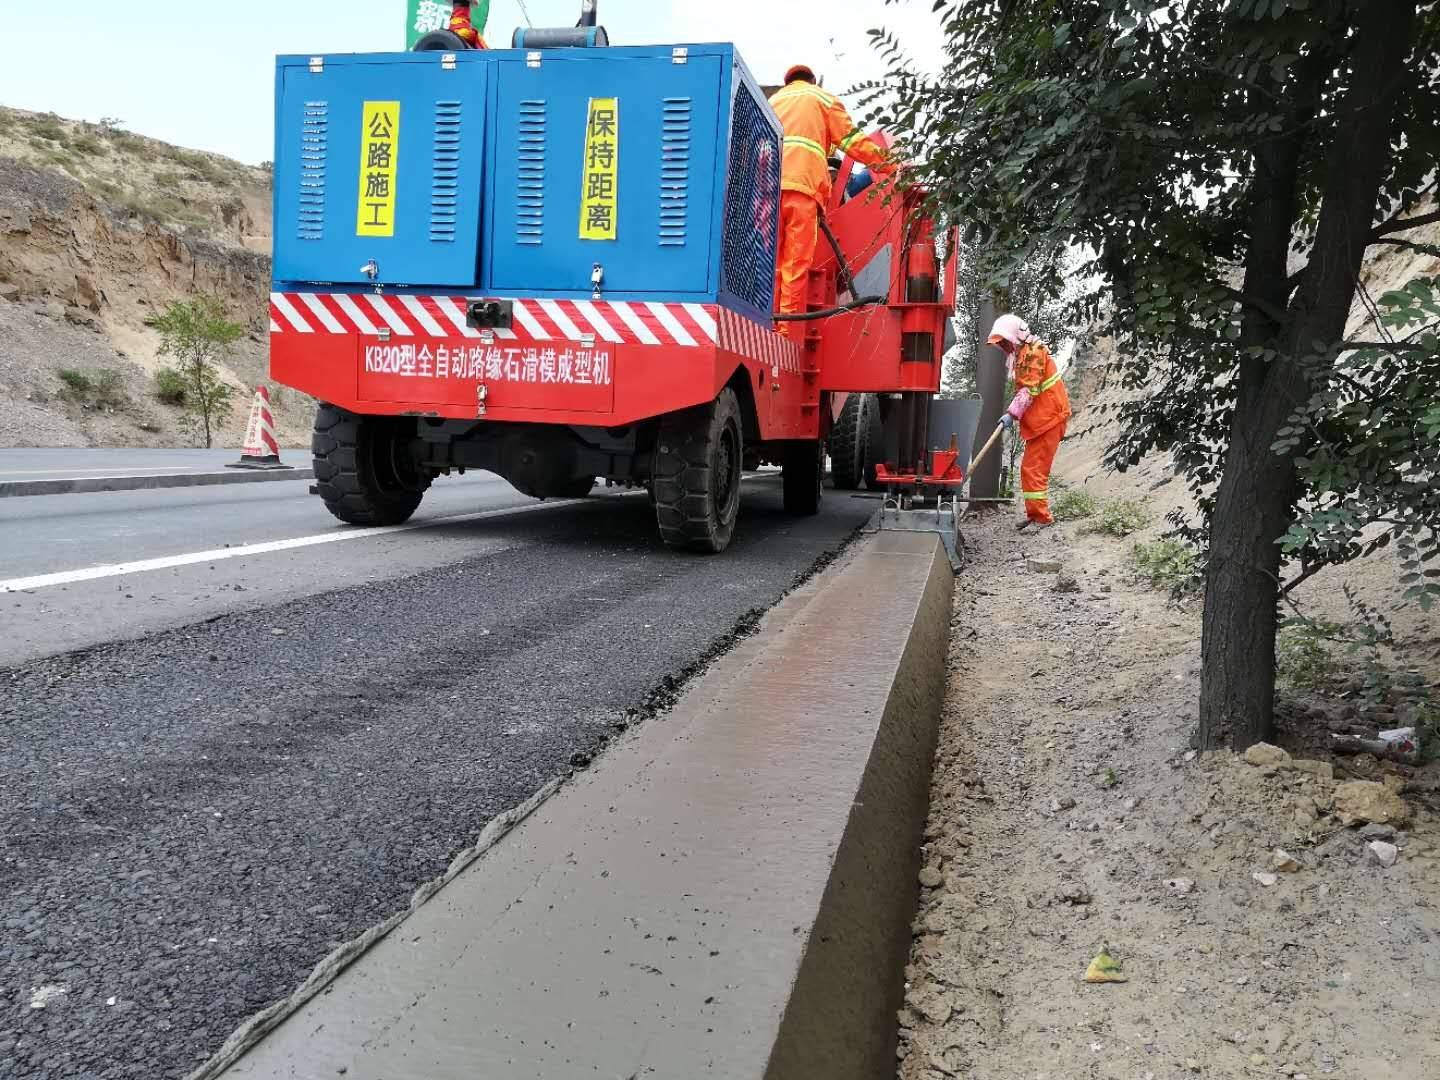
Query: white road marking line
[(95, 473), (167, 562), (109, 570)]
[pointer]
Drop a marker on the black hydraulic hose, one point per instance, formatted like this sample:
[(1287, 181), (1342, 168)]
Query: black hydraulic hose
[(825, 313)]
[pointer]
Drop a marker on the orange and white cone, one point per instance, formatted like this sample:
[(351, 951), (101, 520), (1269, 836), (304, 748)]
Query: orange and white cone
[(261, 450)]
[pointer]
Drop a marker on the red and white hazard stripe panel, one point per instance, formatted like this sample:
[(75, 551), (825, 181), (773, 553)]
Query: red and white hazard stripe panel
[(748, 338), (617, 322)]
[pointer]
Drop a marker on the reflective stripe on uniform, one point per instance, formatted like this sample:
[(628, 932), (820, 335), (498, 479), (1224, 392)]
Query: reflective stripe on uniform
[(807, 144), (1051, 381), (1035, 496), (850, 140), (803, 90)]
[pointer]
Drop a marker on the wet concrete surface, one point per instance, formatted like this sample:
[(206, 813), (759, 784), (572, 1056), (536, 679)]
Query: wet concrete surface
[(727, 893), (191, 820)]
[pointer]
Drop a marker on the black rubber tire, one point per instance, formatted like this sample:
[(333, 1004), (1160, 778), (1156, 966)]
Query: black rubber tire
[(363, 468), (696, 473), (578, 488), (846, 443), (441, 41), (874, 451), (803, 477)]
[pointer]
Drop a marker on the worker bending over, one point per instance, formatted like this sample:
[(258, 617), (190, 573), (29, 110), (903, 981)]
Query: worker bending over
[(814, 123), (1041, 407)]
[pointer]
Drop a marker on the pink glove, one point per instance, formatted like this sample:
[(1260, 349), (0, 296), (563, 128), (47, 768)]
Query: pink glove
[(1020, 403)]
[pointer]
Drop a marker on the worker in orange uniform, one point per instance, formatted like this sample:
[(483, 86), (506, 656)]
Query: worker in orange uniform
[(1041, 407), (814, 123), (462, 26)]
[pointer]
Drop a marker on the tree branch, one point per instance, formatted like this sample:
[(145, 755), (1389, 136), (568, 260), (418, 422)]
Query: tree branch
[(1399, 224), (1262, 306), (1386, 346), (1306, 573), (1421, 249)]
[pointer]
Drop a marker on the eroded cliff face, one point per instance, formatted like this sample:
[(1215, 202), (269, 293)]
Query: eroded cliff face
[(81, 275)]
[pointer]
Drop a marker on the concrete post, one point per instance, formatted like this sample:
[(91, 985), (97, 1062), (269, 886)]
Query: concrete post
[(990, 382)]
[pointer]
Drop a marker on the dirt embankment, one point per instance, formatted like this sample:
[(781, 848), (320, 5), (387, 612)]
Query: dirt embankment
[(100, 230)]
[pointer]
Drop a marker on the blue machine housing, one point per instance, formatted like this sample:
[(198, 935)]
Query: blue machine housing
[(490, 168)]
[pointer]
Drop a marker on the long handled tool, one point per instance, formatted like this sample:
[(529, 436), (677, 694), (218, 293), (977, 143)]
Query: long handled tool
[(985, 449)]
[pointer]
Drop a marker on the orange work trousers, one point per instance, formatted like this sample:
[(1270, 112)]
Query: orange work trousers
[(799, 230), (1035, 473)]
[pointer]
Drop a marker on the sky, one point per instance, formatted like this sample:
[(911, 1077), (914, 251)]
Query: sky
[(209, 86)]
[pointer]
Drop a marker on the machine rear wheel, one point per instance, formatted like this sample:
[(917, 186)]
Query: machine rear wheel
[(803, 477), (696, 475), (847, 443), (364, 469)]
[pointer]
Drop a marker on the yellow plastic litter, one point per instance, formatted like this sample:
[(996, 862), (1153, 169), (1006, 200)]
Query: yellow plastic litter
[(1104, 969)]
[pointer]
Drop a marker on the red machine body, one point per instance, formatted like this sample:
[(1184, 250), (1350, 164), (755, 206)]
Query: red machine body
[(559, 392), (590, 363)]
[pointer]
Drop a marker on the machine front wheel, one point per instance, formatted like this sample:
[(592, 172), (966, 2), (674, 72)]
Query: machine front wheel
[(364, 469), (696, 473), (803, 477)]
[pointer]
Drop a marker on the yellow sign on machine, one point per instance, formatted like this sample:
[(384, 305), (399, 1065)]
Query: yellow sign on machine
[(599, 187), (379, 162)]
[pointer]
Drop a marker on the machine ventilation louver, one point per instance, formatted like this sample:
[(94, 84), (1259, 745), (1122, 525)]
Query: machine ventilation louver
[(314, 154), (675, 171), (530, 161), (445, 173), (752, 206)]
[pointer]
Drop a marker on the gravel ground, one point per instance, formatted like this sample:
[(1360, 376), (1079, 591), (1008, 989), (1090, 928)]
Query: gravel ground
[(192, 820)]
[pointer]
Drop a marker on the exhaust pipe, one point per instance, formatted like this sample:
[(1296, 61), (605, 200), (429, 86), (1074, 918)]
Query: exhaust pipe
[(587, 13)]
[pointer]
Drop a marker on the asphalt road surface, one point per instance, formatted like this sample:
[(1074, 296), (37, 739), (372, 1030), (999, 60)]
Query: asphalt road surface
[(218, 762), (48, 463)]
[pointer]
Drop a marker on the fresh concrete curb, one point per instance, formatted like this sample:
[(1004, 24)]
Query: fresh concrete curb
[(76, 485), (728, 893)]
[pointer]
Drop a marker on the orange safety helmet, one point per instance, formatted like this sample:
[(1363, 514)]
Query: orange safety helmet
[(796, 70)]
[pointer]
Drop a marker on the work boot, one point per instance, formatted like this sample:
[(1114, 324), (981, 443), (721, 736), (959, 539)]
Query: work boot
[(1031, 525)]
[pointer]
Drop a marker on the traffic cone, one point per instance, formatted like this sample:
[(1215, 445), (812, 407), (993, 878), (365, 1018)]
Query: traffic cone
[(260, 451)]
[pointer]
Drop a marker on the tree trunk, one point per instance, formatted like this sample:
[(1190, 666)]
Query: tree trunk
[(1258, 488)]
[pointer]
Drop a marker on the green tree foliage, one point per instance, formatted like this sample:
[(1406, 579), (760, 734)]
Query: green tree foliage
[(1224, 165), (197, 334)]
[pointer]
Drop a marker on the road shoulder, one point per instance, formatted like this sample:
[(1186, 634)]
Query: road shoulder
[(1068, 817)]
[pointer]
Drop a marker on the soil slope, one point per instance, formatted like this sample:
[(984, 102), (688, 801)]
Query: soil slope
[(100, 230)]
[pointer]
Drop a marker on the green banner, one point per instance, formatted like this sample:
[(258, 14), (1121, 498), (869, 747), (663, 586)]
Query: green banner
[(423, 16)]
